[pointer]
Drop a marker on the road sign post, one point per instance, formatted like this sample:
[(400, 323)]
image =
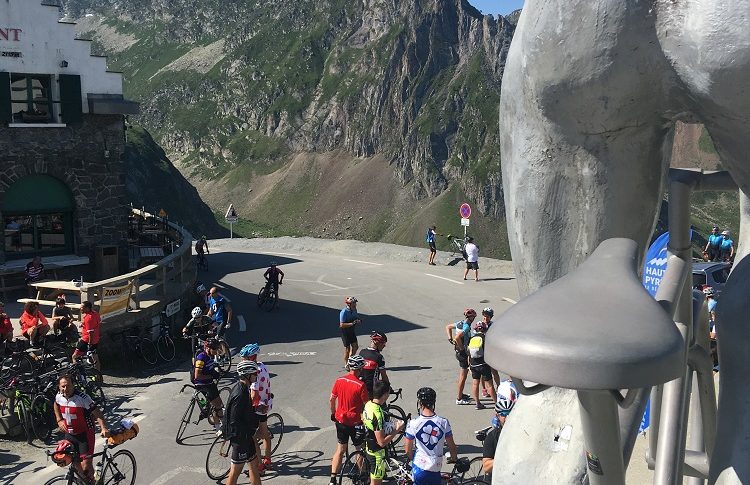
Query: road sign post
[(231, 218), (465, 212)]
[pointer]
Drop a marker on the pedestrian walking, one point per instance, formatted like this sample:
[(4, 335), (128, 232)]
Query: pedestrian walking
[(472, 258)]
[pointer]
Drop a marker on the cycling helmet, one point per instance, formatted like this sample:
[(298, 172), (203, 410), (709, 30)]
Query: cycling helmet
[(349, 300), (709, 291), (378, 337), (249, 350), (507, 395), (470, 313), (489, 312), (479, 326), (355, 362), (247, 367), (196, 312), (427, 396), (212, 343), (63, 454)]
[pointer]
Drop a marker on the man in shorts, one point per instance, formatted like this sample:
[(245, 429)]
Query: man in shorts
[(62, 319), (459, 342), (203, 376), (347, 401), (426, 437), (431, 233), (374, 369), (89, 340), (472, 258), (481, 373), (75, 413), (262, 401), (220, 310), (378, 436), (348, 318), (241, 424)]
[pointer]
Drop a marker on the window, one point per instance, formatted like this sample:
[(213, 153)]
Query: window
[(721, 275), (699, 279), (31, 98), (38, 233)]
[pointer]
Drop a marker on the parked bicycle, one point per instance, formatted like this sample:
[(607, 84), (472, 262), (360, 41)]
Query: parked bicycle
[(165, 346), (218, 459), (132, 343), (116, 469), (268, 296), (205, 409)]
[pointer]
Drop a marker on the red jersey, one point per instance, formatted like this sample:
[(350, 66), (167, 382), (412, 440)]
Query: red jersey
[(76, 412), (351, 396), (91, 321)]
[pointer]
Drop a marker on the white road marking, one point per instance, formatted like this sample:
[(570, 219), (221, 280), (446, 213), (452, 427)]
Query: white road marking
[(243, 325), (291, 354), (363, 262), (509, 300), (275, 252), (446, 279), (320, 280), (166, 477)]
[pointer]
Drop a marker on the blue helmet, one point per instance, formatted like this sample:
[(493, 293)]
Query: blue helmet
[(249, 350)]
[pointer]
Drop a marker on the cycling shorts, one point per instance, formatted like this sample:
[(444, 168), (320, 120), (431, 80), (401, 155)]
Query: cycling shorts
[(83, 443), (376, 463), (344, 433), (424, 477), (463, 359), (210, 390), (243, 451), (348, 337), (481, 372), (472, 265)]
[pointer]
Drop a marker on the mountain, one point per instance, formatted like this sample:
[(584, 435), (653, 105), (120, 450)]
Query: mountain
[(366, 119)]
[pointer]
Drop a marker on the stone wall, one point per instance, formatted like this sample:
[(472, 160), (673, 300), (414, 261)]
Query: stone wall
[(88, 158)]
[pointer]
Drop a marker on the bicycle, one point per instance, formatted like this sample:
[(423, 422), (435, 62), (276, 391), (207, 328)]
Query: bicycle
[(395, 412), (205, 408), (165, 346), (457, 245), (117, 469), (201, 262), (131, 343), (476, 467), (218, 459), (268, 296), (223, 357)]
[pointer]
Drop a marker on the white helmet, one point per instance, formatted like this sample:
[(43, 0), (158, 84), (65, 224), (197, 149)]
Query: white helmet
[(196, 312)]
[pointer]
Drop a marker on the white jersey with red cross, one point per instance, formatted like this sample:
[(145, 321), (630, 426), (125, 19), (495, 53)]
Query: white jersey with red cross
[(76, 411)]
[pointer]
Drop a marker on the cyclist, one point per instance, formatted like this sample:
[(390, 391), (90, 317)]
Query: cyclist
[(425, 439), (487, 315), (199, 324), (262, 400), (459, 341), (481, 374), (348, 398), (34, 324), (201, 247), (272, 277), (726, 247), (220, 310), (712, 249), (241, 424), (378, 436), (348, 318), (204, 374), (507, 395), (62, 319), (89, 340), (75, 413), (374, 369), (6, 327)]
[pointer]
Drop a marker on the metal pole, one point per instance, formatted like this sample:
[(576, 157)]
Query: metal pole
[(231, 235), (696, 427), (601, 433)]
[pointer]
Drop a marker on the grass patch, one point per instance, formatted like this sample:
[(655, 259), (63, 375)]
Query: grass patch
[(705, 143)]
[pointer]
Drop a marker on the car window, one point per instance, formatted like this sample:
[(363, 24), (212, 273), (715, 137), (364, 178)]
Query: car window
[(720, 276), (699, 279)]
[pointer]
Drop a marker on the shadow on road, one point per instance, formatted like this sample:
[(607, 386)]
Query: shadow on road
[(408, 367)]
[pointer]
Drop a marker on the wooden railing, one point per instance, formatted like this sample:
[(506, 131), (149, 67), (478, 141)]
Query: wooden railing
[(175, 266)]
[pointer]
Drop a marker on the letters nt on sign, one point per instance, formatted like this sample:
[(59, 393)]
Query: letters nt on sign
[(10, 34)]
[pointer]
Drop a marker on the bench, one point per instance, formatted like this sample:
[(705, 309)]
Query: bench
[(72, 306), (12, 273)]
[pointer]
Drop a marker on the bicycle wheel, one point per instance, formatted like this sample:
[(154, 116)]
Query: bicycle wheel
[(185, 420), (148, 351), (262, 294), (63, 480), (165, 347), (22, 412), (120, 470), (397, 413), (223, 358), (270, 302), (219, 459), (275, 425), (42, 417), (16, 365), (475, 471), (355, 470)]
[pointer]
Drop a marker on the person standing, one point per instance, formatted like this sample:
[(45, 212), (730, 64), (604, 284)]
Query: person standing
[(374, 369), (487, 315), (712, 250), (481, 374), (348, 319), (89, 333), (430, 238), (220, 310), (262, 400), (426, 437), (459, 340), (347, 401), (374, 419), (241, 423), (472, 258), (34, 272), (726, 247)]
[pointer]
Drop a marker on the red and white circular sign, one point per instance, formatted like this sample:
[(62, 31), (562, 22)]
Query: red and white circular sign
[(465, 210)]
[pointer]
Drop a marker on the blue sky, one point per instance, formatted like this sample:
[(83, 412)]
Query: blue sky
[(497, 6)]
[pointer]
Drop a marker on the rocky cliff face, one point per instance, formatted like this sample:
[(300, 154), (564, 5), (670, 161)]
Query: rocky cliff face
[(231, 83)]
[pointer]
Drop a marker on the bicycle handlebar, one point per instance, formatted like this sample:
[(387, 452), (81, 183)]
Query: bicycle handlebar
[(395, 395)]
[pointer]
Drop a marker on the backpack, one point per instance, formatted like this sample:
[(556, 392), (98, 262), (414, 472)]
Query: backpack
[(476, 346), (428, 236)]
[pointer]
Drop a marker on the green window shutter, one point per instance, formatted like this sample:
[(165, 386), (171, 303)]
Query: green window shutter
[(6, 109), (70, 98)]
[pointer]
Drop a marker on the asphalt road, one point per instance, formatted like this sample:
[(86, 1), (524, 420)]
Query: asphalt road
[(300, 343)]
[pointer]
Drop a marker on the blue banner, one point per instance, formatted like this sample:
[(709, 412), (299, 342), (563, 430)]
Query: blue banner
[(656, 264)]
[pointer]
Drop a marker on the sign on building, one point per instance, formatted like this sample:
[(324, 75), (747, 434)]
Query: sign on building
[(115, 299)]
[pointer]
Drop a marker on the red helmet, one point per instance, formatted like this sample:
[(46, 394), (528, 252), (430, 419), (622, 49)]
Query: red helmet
[(63, 454), (378, 337), (470, 313)]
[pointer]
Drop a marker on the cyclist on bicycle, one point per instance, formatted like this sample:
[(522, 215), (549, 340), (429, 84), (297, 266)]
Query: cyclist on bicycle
[(348, 398), (262, 400), (220, 310), (204, 375), (507, 395), (75, 413), (374, 369), (201, 248), (380, 431), (199, 325), (425, 439), (272, 275)]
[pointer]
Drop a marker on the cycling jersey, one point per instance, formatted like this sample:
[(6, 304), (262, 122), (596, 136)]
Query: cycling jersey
[(206, 364), (465, 328), (428, 434), (714, 240), (373, 418), (347, 316), (29, 321), (199, 325), (218, 307), (374, 363), (76, 411), (263, 385), (91, 324), (351, 396), (272, 274), (726, 244)]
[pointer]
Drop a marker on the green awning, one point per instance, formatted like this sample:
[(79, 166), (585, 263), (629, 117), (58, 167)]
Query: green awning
[(37, 194)]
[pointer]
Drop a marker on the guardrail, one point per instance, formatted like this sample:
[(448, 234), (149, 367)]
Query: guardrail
[(171, 267)]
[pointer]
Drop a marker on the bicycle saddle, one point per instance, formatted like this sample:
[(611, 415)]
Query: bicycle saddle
[(594, 328)]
